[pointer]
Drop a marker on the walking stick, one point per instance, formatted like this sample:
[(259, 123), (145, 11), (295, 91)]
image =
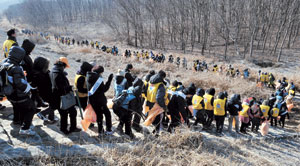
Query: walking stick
[(78, 101)]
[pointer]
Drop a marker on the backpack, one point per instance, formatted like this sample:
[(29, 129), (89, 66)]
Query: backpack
[(118, 100), (6, 88)]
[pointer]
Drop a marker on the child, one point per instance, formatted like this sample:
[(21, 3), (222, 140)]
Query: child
[(198, 107)]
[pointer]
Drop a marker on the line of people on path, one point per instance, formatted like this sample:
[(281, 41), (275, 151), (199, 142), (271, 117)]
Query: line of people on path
[(30, 86), (28, 32), (96, 45)]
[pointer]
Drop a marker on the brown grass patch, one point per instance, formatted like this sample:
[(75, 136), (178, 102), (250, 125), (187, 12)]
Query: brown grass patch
[(85, 50), (38, 39)]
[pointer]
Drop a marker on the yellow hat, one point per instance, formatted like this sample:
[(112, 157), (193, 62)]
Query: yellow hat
[(65, 61)]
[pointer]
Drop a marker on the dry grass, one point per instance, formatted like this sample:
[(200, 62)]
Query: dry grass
[(181, 148), (85, 50), (38, 39)]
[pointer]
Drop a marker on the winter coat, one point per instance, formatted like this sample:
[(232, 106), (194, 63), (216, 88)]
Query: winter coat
[(20, 85), (234, 105), (129, 78), (177, 103), (28, 46), (41, 79), (98, 99), (60, 84)]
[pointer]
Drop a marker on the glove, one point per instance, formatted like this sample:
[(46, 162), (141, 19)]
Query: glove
[(110, 77)]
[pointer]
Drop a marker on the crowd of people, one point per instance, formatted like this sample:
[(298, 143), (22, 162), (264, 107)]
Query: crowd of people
[(32, 33), (34, 89), (95, 45)]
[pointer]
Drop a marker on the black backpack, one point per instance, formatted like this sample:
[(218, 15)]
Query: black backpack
[(120, 99), (6, 88)]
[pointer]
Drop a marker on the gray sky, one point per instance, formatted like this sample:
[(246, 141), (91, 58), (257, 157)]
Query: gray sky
[(5, 3)]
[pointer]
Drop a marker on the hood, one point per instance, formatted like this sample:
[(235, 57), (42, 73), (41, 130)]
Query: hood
[(225, 94), (40, 63), (192, 85), (211, 91), (156, 79), (128, 67), (138, 82), (221, 95), (137, 91), (191, 89), (28, 46), (200, 92), (92, 77), (58, 67), (84, 68), (235, 98), (119, 79), (266, 102), (148, 76), (16, 55), (175, 83)]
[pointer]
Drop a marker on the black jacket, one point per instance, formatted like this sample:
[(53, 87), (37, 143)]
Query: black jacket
[(98, 99), (129, 78), (191, 89), (177, 103), (41, 79), (16, 55), (136, 104), (234, 105), (60, 84), (28, 46)]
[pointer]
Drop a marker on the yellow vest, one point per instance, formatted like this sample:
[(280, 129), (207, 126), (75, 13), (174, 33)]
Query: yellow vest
[(291, 92), (197, 102), (267, 78), (265, 110), (84, 86), (219, 107), (167, 100), (215, 69), (6, 46), (262, 78), (275, 112), (207, 102), (172, 88), (152, 91), (244, 112)]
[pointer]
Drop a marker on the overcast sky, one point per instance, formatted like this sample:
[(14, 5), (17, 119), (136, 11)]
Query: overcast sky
[(5, 3)]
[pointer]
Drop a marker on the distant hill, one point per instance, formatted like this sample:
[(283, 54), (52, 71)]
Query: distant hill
[(4, 4)]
